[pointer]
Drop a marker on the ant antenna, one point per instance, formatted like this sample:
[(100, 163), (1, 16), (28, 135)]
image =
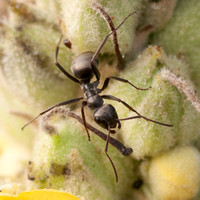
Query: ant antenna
[(29, 123), (108, 19), (106, 38)]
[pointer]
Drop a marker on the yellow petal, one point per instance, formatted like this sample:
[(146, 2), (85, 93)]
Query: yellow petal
[(41, 195)]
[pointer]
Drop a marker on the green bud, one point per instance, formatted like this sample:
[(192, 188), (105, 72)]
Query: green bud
[(181, 36), (66, 160), (157, 14), (154, 16), (165, 102), (47, 10), (86, 29), (28, 69)]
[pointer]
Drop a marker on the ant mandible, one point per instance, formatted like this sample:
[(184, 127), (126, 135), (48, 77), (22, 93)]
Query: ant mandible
[(84, 67)]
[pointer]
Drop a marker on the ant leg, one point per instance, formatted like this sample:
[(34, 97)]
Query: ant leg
[(57, 105), (110, 97), (106, 82), (128, 118), (118, 145), (108, 19), (125, 151), (95, 71), (106, 152), (119, 124), (59, 65), (84, 103), (106, 38)]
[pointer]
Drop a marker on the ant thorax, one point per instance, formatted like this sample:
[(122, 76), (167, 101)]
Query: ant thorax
[(91, 92), (90, 89)]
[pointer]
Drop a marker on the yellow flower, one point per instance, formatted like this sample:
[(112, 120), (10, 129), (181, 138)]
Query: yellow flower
[(176, 174), (42, 195)]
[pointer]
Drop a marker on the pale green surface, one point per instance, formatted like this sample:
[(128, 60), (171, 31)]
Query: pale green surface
[(86, 28), (91, 175), (28, 68), (28, 52)]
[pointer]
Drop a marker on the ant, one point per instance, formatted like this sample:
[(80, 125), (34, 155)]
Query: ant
[(84, 67)]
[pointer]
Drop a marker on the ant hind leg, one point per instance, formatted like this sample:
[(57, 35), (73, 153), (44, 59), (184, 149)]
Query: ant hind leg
[(106, 152)]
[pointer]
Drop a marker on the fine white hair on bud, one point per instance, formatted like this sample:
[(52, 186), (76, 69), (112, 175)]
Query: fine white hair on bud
[(183, 86)]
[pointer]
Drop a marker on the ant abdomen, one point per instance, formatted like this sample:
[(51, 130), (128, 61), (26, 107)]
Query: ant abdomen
[(81, 65), (106, 116)]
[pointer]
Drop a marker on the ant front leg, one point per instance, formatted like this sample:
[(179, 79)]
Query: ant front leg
[(110, 97), (59, 65), (84, 103), (95, 71), (57, 105), (106, 82)]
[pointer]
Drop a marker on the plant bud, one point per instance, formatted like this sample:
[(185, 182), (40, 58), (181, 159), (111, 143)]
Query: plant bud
[(169, 101), (181, 36), (67, 160), (86, 28)]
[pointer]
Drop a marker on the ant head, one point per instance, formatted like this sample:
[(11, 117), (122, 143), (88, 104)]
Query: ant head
[(81, 66)]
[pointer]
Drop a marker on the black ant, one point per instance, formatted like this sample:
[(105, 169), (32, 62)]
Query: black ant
[(84, 67)]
